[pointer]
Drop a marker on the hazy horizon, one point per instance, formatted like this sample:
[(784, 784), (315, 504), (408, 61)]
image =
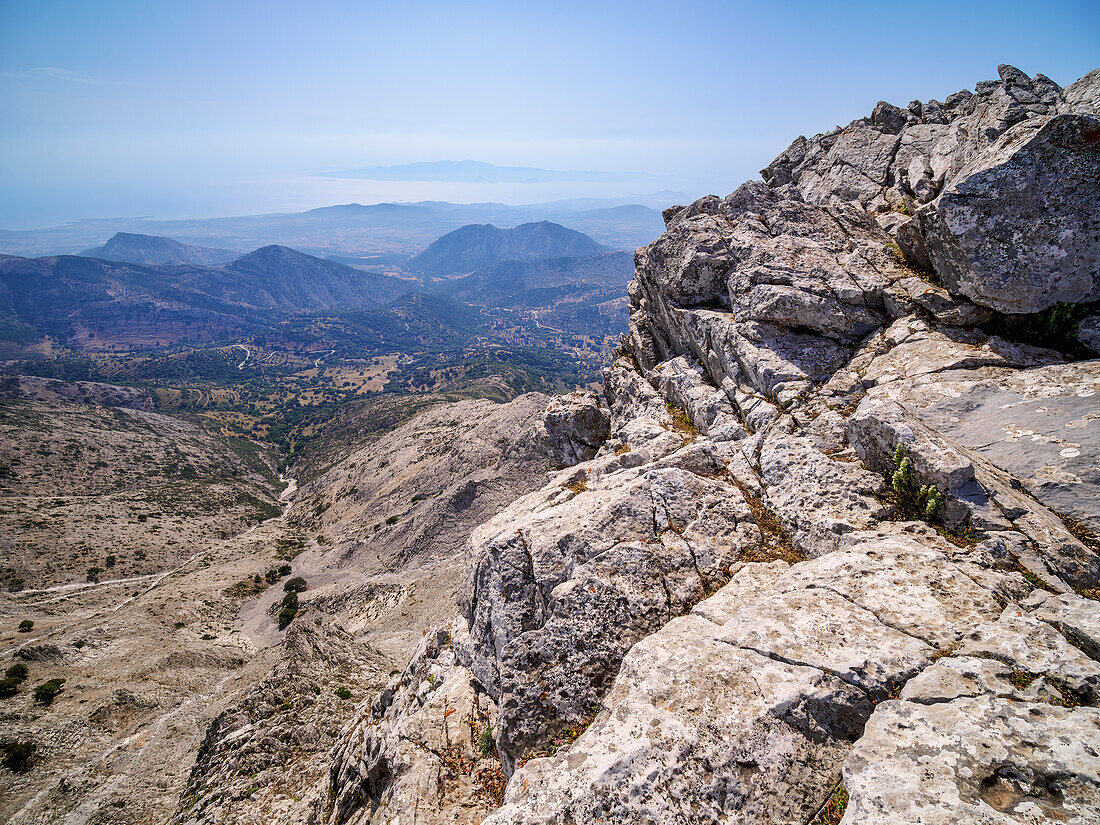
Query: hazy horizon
[(127, 109)]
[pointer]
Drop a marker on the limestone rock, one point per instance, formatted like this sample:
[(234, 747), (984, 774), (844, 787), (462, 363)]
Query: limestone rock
[(419, 742), (981, 760), (573, 427), (1076, 618), (747, 720), (1034, 647), (1016, 230), (817, 498), (684, 385), (564, 581)]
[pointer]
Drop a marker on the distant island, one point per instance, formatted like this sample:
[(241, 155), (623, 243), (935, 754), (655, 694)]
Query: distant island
[(474, 171)]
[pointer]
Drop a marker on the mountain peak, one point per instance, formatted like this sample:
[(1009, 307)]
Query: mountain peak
[(475, 246), (135, 248)]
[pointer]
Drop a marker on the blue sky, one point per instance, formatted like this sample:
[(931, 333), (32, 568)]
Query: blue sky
[(211, 108)]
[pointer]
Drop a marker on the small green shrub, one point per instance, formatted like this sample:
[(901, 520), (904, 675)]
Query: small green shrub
[(25, 626), (19, 756), (486, 744), (391, 520), (921, 502), (297, 585), (1055, 327), (8, 687), (284, 570), (286, 616), (833, 810), (18, 672), (342, 693), (291, 599), (45, 693)]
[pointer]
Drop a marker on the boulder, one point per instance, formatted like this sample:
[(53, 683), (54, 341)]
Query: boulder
[(564, 581), (573, 427), (1016, 230), (743, 711)]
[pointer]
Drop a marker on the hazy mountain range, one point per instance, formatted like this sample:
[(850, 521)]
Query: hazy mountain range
[(473, 171), (353, 229), (92, 304)]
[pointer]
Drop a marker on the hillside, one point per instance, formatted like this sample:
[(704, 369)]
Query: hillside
[(149, 249), (92, 304), (514, 282), (481, 245), (586, 296), (288, 279)]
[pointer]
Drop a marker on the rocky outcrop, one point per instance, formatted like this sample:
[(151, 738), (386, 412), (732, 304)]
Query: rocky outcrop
[(740, 711), (268, 745), (573, 427), (993, 189), (421, 740), (77, 392), (841, 541)]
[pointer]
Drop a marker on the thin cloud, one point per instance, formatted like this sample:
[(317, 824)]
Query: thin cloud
[(46, 73)]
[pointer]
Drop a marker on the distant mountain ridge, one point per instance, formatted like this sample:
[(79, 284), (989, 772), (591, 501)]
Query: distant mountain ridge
[(356, 229), (133, 248), (472, 171), (481, 245), (92, 303)]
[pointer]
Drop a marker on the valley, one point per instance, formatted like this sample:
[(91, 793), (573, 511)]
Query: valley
[(266, 346)]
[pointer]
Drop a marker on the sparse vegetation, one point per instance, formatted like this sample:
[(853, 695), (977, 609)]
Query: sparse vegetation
[(289, 609), (682, 422), (295, 585), (342, 693), (45, 693), (565, 736), (578, 484), (25, 626), (833, 810), (775, 541), (923, 502), (1054, 327), (19, 755), (485, 742)]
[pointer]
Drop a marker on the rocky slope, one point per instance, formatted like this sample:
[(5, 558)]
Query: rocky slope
[(828, 544), (184, 696)]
